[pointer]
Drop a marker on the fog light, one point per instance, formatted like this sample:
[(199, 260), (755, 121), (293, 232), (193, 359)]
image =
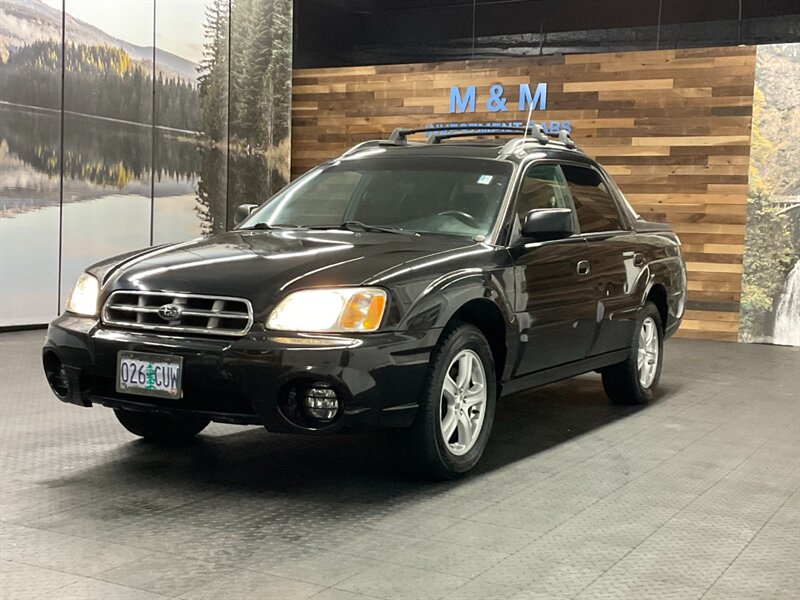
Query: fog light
[(321, 402), (56, 375)]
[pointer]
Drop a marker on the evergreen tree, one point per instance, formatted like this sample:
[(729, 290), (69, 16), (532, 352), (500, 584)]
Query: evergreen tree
[(213, 80)]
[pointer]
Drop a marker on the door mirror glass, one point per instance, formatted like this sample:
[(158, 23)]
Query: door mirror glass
[(548, 224), (242, 212)]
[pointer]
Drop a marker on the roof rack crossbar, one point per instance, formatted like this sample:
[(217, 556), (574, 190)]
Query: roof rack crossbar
[(534, 133), (438, 137), (399, 135)]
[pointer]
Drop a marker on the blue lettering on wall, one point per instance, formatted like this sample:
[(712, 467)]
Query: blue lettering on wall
[(486, 127), (465, 103), (539, 96), (496, 101)]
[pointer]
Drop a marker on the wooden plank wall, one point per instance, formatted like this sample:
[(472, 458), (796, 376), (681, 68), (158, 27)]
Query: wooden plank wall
[(671, 126)]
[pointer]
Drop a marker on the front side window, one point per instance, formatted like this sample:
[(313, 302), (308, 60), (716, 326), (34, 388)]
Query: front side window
[(443, 195), (543, 186), (594, 206)]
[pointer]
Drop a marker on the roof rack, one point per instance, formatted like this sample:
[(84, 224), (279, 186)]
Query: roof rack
[(562, 137), (367, 144), (533, 133), (399, 135)]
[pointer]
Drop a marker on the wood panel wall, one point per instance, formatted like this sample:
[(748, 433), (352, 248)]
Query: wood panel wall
[(672, 127)]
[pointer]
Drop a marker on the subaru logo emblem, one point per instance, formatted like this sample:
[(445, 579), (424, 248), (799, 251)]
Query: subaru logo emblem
[(170, 312)]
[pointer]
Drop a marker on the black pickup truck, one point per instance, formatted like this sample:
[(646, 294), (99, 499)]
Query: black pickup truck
[(403, 285)]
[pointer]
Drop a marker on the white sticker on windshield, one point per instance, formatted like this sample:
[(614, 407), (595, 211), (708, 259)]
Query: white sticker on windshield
[(485, 179)]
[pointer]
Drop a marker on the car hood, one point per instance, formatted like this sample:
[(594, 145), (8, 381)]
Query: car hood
[(264, 265)]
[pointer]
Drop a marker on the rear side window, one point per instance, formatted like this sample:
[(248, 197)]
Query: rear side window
[(594, 205)]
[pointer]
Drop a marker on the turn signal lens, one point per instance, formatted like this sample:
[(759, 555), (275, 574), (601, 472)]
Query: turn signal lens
[(330, 310), (363, 311)]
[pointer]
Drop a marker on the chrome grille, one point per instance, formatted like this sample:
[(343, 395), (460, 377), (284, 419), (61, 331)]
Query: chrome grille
[(211, 315)]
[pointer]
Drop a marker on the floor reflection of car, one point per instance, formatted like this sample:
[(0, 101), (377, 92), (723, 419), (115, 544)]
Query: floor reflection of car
[(403, 285)]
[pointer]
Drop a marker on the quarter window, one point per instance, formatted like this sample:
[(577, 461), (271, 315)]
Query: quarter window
[(594, 204)]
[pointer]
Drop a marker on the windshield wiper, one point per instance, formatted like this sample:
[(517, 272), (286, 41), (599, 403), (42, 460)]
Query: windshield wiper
[(361, 226)]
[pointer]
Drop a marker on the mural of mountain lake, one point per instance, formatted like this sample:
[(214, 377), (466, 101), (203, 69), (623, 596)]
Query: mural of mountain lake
[(107, 199)]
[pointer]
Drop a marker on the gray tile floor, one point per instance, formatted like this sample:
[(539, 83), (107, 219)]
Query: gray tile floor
[(695, 496)]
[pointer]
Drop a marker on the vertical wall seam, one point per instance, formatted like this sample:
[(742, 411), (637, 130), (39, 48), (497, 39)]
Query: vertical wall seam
[(228, 123), (658, 26), (153, 134), (61, 154)]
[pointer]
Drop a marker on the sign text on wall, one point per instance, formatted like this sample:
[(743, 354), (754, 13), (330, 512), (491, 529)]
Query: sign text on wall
[(464, 101)]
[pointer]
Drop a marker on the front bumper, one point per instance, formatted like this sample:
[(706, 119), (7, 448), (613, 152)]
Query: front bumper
[(378, 377)]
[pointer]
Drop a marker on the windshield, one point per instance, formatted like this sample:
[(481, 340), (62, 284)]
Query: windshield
[(455, 196)]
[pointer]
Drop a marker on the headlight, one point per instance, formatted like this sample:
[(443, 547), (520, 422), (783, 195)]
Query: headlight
[(83, 299), (332, 309)]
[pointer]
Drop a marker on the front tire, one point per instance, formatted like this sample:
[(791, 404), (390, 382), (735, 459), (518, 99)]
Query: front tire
[(457, 405), (163, 429), (633, 381)]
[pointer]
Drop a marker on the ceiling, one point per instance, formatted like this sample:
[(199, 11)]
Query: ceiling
[(346, 32)]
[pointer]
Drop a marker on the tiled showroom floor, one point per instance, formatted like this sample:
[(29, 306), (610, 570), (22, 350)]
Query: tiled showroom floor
[(694, 496)]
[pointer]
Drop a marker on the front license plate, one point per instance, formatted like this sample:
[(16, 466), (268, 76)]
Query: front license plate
[(144, 374)]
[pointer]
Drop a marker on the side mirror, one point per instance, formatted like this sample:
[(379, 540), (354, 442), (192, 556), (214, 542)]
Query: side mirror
[(242, 212), (548, 224)]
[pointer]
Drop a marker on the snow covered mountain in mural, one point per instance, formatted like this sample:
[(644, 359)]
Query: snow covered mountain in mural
[(23, 22)]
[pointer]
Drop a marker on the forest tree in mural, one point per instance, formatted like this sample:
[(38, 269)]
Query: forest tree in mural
[(104, 82), (770, 303), (246, 98)]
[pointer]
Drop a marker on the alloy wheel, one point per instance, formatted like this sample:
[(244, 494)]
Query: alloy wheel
[(647, 354), (463, 402)]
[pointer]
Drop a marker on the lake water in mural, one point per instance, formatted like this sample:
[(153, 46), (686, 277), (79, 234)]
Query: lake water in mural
[(107, 197), (107, 203)]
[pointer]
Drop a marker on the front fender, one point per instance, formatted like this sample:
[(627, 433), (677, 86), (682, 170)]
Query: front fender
[(483, 291)]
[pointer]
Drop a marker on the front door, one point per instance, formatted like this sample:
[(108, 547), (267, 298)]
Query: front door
[(555, 302)]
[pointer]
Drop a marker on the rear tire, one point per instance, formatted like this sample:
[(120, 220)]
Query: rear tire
[(456, 406), (633, 381), (164, 429)]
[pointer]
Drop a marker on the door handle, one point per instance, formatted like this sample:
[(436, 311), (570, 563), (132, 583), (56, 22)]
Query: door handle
[(638, 260), (583, 267)]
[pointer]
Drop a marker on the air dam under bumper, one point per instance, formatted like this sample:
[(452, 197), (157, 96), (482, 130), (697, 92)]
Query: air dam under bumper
[(377, 377)]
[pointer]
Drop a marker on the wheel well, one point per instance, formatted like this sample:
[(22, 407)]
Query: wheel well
[(658, 296), (485, 315)]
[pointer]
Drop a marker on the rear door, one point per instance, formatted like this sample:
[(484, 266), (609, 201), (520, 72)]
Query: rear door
[(555, 300), (609, 255)]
